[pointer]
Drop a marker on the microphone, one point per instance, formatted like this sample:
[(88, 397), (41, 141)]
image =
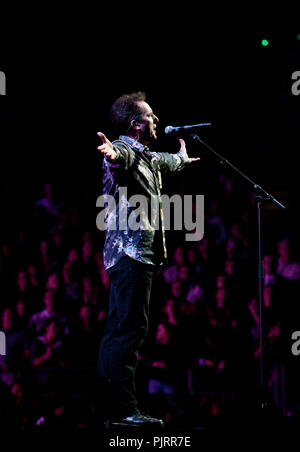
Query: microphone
[(170, 129)]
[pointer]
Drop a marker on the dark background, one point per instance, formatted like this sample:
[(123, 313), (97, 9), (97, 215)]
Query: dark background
[(59, 94)]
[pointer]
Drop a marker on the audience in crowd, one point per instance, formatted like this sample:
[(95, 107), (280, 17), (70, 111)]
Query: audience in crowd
[(204, 326)]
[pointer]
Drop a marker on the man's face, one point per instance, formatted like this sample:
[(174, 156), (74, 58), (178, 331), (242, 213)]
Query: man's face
[(148, 123)]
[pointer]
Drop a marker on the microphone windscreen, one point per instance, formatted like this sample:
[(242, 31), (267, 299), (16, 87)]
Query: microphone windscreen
[(168, 129)]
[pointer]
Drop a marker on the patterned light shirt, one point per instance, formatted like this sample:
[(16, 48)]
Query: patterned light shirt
[(136, 171)]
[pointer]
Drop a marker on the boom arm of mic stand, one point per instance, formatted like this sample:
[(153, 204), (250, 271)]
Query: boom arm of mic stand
[(256, 187)]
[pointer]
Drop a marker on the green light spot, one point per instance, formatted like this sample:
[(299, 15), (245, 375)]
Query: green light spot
[(298, 37), (264, 42)]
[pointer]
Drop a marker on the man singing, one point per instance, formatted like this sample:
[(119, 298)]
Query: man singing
[(131, 255)]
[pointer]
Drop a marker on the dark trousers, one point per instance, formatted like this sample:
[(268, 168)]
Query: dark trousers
[(126, 329)]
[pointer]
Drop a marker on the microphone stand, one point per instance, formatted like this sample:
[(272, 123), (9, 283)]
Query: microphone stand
[(261, 196)]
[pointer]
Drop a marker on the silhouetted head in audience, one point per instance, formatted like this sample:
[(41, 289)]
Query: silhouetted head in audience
[(230, 248), (73, 256), (50, 302), (229, 267), (16, 389), (53, 282), (191, 256), (52, 331), (284, 250), (267, 296), (20, 307), (32, 273), (7, 320), (220, 297), (268, 264), (163, 334), (176, 289), (203, 248), (184, 273), (68, 273), (85, 315), (221, 281), (179, 256), (170, 308), (22, 280), (87, 251)]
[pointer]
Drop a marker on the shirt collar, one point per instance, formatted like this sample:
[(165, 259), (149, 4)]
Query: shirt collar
[(133, 143)]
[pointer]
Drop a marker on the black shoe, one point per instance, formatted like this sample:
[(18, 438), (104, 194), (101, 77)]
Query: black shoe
[(139, 420)]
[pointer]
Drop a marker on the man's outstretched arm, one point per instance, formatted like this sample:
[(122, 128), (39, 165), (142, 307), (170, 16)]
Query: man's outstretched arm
[(117, 153), (107, 148), (173, 162)]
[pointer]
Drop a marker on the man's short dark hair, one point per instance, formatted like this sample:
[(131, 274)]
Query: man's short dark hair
[(125, 109)]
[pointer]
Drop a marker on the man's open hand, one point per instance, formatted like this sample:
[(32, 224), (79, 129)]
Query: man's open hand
[(183, 149), (106, 147)]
